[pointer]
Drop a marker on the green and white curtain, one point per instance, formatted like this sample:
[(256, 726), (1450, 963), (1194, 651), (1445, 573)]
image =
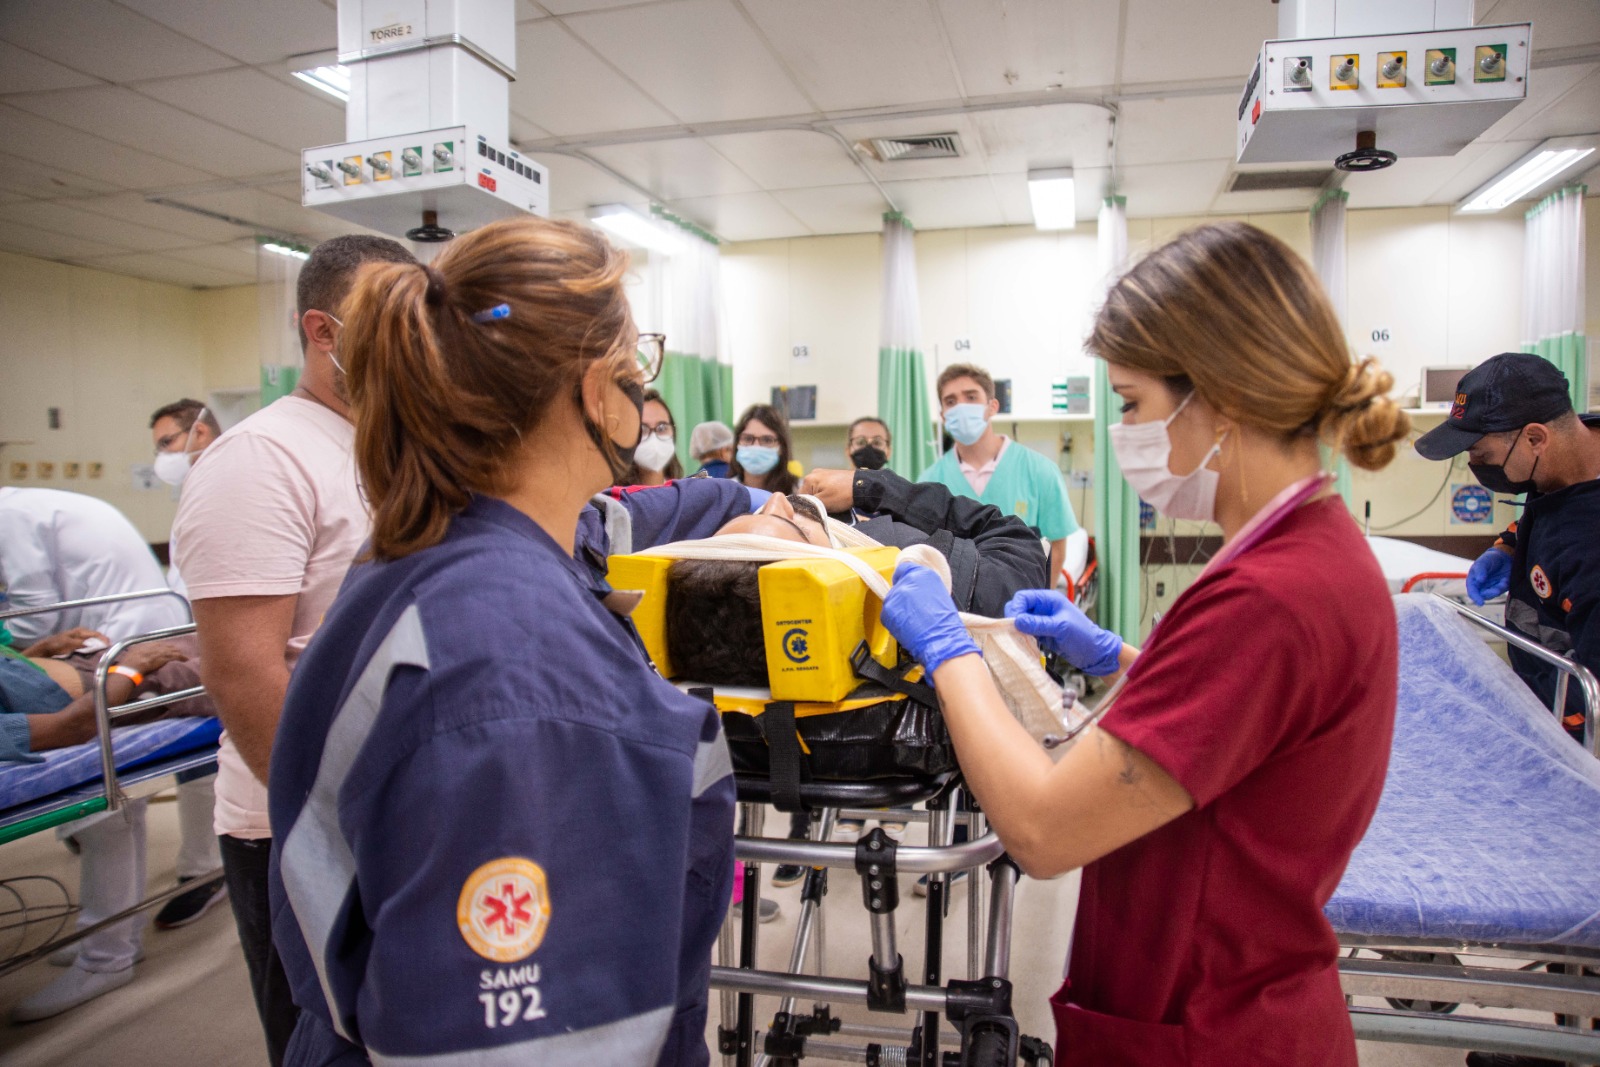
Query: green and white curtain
[(1328, 216), (1116, 505), (902, 379), (277, 328), (697, 375), (1552, 287)]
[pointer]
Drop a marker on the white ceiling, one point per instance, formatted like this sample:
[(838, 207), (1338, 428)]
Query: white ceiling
[(113, 110)]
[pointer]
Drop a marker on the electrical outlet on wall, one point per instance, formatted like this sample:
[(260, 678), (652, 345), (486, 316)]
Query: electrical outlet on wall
[(1079, 479), (19, 470), (46, 469), (96, 469), (70, 468)]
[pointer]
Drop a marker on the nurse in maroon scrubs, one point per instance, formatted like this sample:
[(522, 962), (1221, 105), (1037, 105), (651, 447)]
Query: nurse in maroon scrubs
[(1214, 804)]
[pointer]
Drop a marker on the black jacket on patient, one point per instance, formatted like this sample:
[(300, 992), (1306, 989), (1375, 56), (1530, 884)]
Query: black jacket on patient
[(713, 617)]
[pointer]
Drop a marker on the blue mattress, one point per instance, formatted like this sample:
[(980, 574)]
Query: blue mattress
[(135, 746), (1487, 827)]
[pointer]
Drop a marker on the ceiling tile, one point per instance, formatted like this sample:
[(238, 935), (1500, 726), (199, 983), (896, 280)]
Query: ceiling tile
[(1011, 190), (1441, 179), (250, 31), (1576, 112), (166, 269), (261, 210), (523, 132), (1545, 87), (741, 216), (568, 7), (527, 9), (32, 179), (75, 152), (1061, 135), (677, 170), (789, 159), (577, 185), (948, 203), (103, 39), (847, 54), (1162, 189), (1556, 23), (234, 257), (46, 245), (112, 234), (1176, 130), (123, 116), (256, 104), (565, 88), (1265, 200), (1016, 46), (23, 72), (836, 208), (699, 59), (1218, 39), (134, 208)]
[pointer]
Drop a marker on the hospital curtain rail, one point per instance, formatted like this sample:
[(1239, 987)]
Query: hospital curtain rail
[(1553, 287), (903, 402), (1116, 505)]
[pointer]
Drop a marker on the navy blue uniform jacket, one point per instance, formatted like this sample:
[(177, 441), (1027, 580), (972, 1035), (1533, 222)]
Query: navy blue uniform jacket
[(499, 836)]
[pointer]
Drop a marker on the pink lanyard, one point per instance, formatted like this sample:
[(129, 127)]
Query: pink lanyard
[(1267, 519)]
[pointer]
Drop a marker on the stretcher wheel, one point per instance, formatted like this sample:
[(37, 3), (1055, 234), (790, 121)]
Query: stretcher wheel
[(1433, 1007), (987, 1048)]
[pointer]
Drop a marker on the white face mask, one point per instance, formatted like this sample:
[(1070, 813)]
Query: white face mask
[(173, 467), (654, 453), (1143, 449)]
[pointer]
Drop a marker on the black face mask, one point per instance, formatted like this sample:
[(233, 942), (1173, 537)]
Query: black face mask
[(618, 456), (1492, 476), (870, 458)]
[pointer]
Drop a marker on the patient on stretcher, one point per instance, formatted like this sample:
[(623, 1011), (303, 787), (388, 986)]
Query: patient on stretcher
[(46, 690)]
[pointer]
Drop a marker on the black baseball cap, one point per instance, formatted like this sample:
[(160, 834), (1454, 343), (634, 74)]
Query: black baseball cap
[(1504, 392)]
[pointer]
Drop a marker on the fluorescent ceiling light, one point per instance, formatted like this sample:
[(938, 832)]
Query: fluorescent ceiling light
[(285, 250), (1055, 205), (625, 223), (1532, 173), (332, 79)]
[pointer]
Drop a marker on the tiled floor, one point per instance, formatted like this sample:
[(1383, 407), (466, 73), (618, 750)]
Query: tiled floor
[(190, 1003)]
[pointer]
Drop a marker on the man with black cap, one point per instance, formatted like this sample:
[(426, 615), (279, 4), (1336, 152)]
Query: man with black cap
[(1513, 417)]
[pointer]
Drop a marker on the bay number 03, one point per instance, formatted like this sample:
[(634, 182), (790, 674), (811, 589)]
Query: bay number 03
[(512, 1006)]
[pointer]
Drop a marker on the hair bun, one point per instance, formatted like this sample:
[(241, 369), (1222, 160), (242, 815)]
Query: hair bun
[(436, 292), (1361, 420)]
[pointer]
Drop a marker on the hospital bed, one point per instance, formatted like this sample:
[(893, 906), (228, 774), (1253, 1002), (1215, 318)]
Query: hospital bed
[(119, 765), (1476, 882)]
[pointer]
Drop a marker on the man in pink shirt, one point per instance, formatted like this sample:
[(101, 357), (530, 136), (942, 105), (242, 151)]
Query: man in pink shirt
[(270, 520)]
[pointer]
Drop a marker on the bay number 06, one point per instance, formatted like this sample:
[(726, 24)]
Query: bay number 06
[(514, 1005)]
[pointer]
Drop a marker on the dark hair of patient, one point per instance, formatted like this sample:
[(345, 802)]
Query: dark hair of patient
[(714, 622)]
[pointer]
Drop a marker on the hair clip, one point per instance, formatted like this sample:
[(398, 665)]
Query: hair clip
[(499, 311)]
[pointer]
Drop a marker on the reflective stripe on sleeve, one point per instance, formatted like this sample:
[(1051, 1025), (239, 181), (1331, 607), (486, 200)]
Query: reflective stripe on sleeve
[(637, 1039), (711, 763), (318, 867)]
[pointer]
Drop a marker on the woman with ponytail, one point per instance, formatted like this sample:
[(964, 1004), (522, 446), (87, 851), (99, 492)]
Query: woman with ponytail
[(1231, 772), (500, 835)]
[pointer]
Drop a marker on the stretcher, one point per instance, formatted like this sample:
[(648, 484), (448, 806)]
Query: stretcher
[(121, 764), (1475, 883)]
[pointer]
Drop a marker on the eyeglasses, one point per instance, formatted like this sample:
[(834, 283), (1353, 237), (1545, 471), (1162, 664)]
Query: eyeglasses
[(662, 430), (868, 442), (749, 440), (652, 353)]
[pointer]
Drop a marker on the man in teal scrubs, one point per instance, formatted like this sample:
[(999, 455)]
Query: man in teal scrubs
[(991, 468)]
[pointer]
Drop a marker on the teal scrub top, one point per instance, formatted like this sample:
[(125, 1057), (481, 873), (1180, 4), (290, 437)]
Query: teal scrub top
[(1024, 484)]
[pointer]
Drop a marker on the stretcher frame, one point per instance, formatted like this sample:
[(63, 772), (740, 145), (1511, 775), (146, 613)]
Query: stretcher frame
[(1431, 970), (114, 790), (979, 1006)]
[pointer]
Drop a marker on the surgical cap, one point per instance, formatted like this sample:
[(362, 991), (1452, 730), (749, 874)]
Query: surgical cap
[(708, 437)]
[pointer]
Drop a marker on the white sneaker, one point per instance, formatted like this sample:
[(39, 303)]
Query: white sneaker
[(75, 987), (66, 957)]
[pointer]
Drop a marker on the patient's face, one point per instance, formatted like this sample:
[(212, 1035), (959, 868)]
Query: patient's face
[(778, 518)]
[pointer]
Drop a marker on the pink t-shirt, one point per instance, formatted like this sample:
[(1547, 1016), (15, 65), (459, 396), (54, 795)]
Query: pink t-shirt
[(271, 509), (978, 477)]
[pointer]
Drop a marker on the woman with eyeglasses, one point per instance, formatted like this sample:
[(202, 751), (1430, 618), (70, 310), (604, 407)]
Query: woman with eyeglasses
[(761, 455), (476, 711), (655, 461)]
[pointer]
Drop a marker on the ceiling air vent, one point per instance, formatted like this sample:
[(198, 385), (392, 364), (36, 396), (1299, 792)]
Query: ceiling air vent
[(904, 149), (1259, 181)]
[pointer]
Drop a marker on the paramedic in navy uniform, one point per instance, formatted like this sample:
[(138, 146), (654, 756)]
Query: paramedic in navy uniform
[(504, 838)]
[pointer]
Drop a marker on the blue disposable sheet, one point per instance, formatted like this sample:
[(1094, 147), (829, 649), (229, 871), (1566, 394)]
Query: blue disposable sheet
[(135, 746), (1489, 826)]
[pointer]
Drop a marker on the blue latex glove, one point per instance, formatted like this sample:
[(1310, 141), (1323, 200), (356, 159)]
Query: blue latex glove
[(1063, 629), (758, 497), (1490, 576), (923, 618)]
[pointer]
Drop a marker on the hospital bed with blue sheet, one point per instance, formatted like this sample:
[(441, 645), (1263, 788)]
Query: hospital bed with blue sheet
[(1478, 881), (121, 764)]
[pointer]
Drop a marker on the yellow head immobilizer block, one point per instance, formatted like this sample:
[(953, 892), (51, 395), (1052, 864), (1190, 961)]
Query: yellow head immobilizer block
[(814, 614)]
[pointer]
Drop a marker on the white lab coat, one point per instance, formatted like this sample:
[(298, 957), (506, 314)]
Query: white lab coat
[(57, 546)]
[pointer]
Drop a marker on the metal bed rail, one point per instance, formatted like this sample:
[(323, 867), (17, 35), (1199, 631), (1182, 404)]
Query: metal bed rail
[(1571, 672), (95, 601)]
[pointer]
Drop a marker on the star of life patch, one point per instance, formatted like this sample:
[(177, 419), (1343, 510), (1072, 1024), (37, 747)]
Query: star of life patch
[(504, 909), (1540, 582)]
